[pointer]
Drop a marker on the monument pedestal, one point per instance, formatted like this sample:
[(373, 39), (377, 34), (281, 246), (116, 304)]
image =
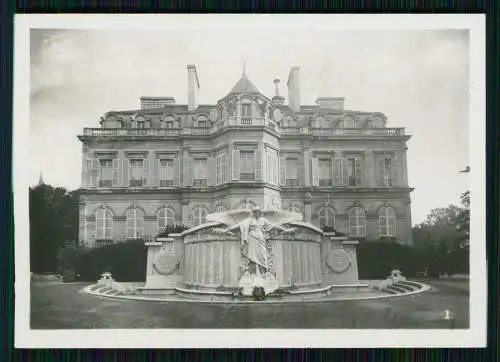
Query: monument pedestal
[(164, 267), (339, 262)]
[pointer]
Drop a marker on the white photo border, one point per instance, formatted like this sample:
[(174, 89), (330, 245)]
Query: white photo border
[(475, 336)]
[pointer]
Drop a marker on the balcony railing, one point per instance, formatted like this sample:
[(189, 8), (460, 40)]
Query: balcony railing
[(243, 122), (342, 131)]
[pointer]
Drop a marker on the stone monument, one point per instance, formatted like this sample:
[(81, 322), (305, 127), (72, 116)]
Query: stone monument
[(241, 252)]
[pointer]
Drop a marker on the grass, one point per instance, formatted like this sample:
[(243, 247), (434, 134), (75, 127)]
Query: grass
[(62, 306)]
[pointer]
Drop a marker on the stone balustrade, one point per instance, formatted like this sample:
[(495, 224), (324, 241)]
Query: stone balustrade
[(242, 121)]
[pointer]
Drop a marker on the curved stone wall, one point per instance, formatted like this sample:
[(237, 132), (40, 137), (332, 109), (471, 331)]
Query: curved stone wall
[(212, 260)]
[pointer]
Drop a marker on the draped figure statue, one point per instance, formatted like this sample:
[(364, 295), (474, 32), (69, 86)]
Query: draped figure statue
[(255, 249)]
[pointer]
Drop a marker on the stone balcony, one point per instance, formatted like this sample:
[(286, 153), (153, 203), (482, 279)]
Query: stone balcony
[(243, 122)]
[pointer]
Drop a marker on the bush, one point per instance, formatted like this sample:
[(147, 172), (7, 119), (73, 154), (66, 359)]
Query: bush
[(126, 261), (68, 260), (376, 259)]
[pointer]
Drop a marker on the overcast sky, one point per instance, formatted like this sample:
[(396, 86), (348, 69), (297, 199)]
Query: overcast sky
[(419, 79)]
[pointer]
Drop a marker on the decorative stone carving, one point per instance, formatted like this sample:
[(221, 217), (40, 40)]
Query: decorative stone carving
[(166, 262), (338, 260)]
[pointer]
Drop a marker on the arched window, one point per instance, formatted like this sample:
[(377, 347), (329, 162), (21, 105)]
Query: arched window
[(202, 122), (165, 217), (376, 122), (357, 222), (387, 221), (135, 223), (326, 217), (200, 215), (168, 122), (348, 122), (104, 224)]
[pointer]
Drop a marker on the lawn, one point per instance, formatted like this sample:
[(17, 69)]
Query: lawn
[(62, 306)]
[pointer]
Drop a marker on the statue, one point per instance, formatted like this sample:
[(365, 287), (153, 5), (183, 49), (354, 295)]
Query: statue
[(256, 251)]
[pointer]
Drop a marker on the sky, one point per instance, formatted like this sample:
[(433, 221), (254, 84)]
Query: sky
[(418, 79)]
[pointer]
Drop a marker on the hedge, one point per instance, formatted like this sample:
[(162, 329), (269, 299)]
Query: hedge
[(127, 260)]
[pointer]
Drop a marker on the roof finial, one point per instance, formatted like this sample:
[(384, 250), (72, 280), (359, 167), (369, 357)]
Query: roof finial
[(40, 179), (244, 67)]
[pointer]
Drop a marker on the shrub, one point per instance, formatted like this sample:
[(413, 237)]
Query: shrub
[(68, 260), (376, 259)]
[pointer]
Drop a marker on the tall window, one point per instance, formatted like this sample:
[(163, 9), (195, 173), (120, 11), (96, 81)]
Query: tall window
[(135, 223), (200, 215), (104, 224), (385, 172), (166, 217), (272, 167), (247, 164), (200, 175), (202, 123), (246, 110), (106, 178), (136, 172), (354, 171), (357, 222), (292, 178), (325, 172), (140, 124), (166, 172), (326, 217), (387, 221), (220, 165)]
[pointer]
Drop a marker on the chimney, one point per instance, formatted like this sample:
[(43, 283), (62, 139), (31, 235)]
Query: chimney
[(156, 102), (277, 99), (334, 103), (193, 87), (294, 89)]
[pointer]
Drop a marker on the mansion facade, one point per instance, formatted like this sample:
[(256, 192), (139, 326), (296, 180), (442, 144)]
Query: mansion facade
[(173, 164)]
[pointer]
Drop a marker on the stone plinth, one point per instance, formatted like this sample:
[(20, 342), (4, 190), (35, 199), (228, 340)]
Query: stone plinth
[(339, 262), (212, 260), (164, 265)]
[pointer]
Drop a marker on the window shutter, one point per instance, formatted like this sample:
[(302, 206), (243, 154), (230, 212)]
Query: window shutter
[(146, 171), (116, 172), (258, 165), (337, 172), (236, 164), (395, 168), (95, 172), (155, 166), (315, 171), (300, 171), (125, 172), (282, 165), (359, 172), (86, 172), (190, 171), (380, 171), (177, 171), (211, 171)]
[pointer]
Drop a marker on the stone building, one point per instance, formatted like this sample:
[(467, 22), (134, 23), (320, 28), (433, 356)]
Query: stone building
[(167, 163)]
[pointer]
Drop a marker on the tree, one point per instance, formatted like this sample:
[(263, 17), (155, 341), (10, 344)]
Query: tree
[(53, 213)]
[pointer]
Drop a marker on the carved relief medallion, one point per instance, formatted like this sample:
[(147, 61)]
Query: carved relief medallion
[(166, 262), (338, 260)]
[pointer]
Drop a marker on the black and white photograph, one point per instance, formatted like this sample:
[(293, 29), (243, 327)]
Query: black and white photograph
[(249, 181)]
